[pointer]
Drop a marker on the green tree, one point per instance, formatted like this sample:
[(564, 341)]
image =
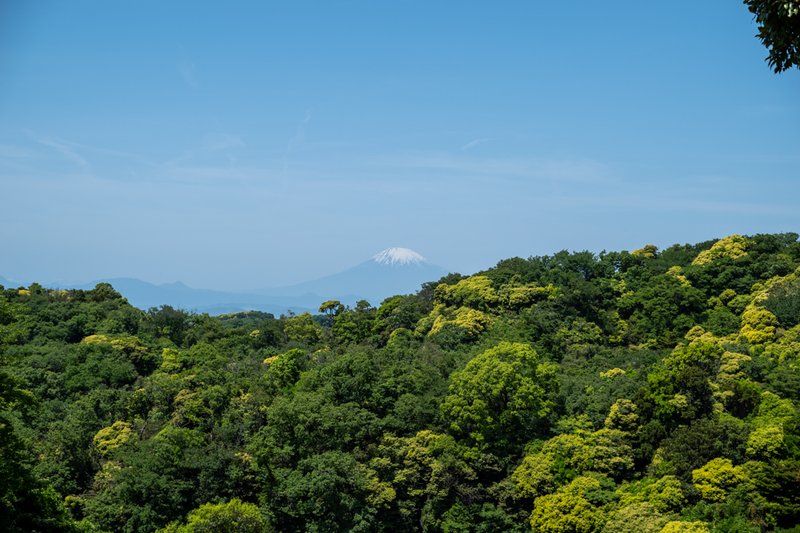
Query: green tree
[(779, 30), (502, 397), (233, 516), (576, 508)]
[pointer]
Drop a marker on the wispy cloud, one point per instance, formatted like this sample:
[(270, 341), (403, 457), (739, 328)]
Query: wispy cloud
[(66, 149), (474, 143), (465, 166), (212, 146)]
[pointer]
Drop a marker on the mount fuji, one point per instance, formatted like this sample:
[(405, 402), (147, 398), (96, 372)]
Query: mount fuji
[(389, 272), (392, 271)]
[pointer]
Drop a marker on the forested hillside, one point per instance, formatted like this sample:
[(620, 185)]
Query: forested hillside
[(648, 391)]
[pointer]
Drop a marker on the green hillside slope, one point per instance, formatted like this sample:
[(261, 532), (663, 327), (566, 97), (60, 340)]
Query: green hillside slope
[(648, 391)]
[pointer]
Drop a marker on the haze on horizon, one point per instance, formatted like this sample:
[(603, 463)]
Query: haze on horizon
[(262, 145)]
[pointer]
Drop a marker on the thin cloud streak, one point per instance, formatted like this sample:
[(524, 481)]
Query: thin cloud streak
[(66, 149), (474, 143), (576, 170)]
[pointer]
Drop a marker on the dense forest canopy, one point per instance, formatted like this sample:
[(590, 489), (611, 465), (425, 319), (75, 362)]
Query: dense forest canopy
[(650, 391)]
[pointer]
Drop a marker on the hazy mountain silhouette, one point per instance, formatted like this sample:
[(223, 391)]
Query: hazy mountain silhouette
[(392, 271)]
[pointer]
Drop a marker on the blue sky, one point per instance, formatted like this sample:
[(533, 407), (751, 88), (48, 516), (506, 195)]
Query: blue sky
[(252, 144)]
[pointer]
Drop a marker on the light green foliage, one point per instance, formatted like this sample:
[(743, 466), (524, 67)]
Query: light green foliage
[(640, 517), (681, 390), (665, 494), (677, 274), (475, 292), (331, 307), (731, 367), (302, 328), (622, 416), (579, 338), (112, 437), (171, 360), (564, 457), (609, 452), (560, 460), (787, 349), (234, 516), (284, 369), (774, 410), (535, 476), (570, 510), (612, 373), (685, 527), (124, 343), (469, 321), (501, 396), (758, 325), (648, 251), (766, 442), (516, 297), (731, 247), (714, 480)]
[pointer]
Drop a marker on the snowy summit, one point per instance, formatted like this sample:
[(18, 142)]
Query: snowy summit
[(398, 256)]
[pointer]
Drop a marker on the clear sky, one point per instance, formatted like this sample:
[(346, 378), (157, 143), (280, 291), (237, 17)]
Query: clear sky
[(250, 144)]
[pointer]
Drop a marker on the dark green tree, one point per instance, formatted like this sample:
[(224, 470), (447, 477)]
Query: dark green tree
[(779, 30)]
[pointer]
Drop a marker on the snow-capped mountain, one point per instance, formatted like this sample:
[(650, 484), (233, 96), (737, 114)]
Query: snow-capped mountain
[(389, 272), (392, 271), (398, 256)]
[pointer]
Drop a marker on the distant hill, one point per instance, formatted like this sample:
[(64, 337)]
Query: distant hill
[(392, 271)]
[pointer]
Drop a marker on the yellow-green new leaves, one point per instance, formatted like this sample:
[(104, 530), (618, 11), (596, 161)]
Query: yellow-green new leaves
[(716, 478), (677, 526), (640, 517), (476, 292), (302, 328), (622, 416), (112, 437), (570, 510), (501, 396), (758, 325), (648, 251), (470, 321), (731, 247), (131, 346), (664, 494), (563, 457), (234, 516), (767, 440), (285, 368)]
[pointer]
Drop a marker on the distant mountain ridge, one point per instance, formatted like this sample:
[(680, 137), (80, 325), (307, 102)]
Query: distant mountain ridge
[(389, 272)]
